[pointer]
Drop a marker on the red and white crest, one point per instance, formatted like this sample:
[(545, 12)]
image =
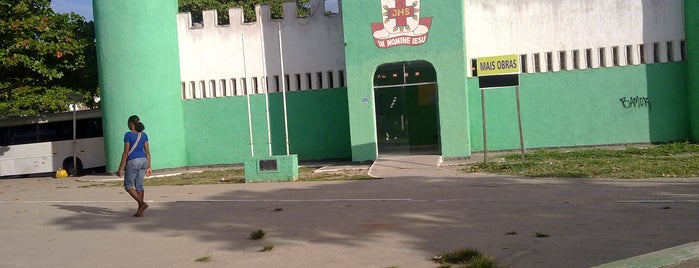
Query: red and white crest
[(400, 16), (401, 24)]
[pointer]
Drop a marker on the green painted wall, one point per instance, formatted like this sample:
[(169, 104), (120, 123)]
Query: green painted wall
[(217, 129), (138, 63), (444, 49), (691, 17), (576, 108)]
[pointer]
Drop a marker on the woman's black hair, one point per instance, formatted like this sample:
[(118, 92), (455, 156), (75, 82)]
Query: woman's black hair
[(136, 123)]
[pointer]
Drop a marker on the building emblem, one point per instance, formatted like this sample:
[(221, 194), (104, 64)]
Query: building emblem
[(402, 25)]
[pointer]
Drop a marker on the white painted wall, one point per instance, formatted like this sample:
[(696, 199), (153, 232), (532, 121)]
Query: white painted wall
[(531, 27), (213, 54)]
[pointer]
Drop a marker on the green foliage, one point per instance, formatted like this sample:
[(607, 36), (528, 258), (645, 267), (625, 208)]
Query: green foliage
[(668, 160), (469, 258), (221, 6), (43, 57), (258, 234)]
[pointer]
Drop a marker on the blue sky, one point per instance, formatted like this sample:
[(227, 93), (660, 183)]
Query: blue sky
[(84, 7)]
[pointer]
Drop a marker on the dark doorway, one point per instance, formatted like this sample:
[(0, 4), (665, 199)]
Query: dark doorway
[(407, 116)]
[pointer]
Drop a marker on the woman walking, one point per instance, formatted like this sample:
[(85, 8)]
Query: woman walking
[(135, 161)]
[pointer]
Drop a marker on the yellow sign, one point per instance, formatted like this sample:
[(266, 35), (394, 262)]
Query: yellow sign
[(508, 64)]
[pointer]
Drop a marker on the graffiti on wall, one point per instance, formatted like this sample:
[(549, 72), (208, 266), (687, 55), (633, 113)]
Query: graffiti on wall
[(401, 25), (636, 102)]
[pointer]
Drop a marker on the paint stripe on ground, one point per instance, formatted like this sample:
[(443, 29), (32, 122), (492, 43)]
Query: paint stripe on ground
[(661, 258)]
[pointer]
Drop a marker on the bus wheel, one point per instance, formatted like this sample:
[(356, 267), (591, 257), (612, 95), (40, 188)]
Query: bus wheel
[(73, 171)]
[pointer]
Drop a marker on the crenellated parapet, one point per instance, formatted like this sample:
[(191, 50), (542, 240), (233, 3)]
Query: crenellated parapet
[(216, 58)]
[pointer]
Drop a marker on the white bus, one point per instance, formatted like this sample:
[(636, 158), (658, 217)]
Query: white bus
[(42, 144)]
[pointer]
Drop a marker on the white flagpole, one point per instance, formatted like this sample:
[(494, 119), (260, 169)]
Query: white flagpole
[(283, 78)]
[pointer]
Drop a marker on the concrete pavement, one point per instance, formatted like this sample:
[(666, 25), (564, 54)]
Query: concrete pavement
[(416, 211)]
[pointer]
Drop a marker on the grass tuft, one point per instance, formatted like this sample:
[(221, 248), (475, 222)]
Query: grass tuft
[(267, 248), (470, 258), (257, 234), (539, 234), (206, 258)]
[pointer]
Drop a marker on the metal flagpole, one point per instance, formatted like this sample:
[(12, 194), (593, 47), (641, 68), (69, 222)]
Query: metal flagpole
[(247, 94), (266, 88), (283, 78)]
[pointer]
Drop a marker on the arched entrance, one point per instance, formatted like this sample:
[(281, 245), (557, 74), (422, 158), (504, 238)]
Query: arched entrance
[(407, 116)]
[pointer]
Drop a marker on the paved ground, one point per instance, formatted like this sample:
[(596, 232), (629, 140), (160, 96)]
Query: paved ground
[(403, 220)]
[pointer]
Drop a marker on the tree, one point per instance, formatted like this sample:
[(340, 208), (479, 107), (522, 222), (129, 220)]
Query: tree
[(221, 6), (44, 56)]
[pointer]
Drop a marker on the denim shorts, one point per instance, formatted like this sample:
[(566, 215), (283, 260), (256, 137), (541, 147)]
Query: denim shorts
[(135, 173)]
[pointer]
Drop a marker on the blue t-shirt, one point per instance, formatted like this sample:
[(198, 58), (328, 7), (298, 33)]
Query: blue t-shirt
[(139, 152)]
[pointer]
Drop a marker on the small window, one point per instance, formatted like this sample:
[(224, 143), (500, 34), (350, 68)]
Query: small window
[(255, 86), (202, 89), (576, 59), (603, 57), (331, 80), (549, 61), (234, 88), (630, 57), (183, 88), (563, 60), (286, 83), (191, 91), (319, 76), (588, 58), (537, 62), (277, 86), (309, 81), (615, 56), (656, 52), (224, 87), (670, 52), (474, 68), (244, 86), (212, 88), (298, 81), (341, 74), (642, 53), (523, 62), (683, 50)]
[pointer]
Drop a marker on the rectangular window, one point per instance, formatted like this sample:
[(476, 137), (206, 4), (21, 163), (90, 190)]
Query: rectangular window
[(286, 82), (537, 63), (309, 81), (656, 52), (224, 87), (202, 87), (298, 81), (234, 88), (192, 90), (588, 58), (474, 67), (255, 86), (576, 59), (331, 80), (549, 61), (212, 88), (683, 50), (603, 57), (630, 55), (342, 78), (563, 60), (319, 76), (670, 52), (523, 62), (615, 56), (642, 53), (244, 86), (277, 86), (183, 88)]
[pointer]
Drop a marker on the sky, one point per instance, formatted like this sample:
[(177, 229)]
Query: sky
[(84, 7)]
